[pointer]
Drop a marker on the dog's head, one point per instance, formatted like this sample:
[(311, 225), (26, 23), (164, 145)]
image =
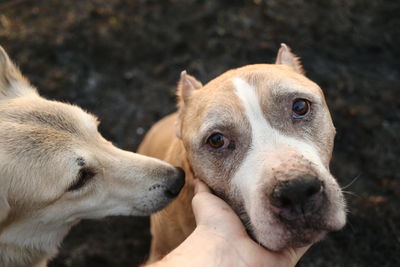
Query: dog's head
[(56, 168), (261, 136)]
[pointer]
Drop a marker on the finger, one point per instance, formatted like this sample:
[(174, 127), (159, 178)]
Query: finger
[(198, 207), (214, 213), (292, 255), (206, 206), (203, 203), (300, 251), (199, 187)]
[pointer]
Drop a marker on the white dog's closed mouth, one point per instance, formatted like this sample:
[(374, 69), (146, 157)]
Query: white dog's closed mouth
[(58, 169)]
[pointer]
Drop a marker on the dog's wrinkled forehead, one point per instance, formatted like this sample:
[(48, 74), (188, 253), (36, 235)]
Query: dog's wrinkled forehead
[(270, 83)]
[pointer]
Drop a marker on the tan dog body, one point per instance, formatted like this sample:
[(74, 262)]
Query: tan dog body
[(56, 169), (173, 224), (244, 134)]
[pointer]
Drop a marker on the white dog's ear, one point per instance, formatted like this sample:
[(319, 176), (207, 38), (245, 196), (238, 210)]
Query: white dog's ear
[(12, 83), (286, 57), (4, 207), (186, 86)]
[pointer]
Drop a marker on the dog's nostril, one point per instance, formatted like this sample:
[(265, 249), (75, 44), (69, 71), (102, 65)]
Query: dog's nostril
[(175, 184), (298, 197), (285, 201), (312, 190)]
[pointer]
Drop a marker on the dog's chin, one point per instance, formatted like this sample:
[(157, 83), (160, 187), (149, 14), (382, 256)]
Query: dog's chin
[(136, 211), (146, 209), (287, 238), (275, 234), (306, 238)]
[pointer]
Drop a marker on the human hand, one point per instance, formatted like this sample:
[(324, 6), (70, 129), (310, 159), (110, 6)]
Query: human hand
[(220, 239)]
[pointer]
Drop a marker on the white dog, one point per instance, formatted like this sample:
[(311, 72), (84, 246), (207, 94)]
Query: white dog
[(56, 169), (261, 137)]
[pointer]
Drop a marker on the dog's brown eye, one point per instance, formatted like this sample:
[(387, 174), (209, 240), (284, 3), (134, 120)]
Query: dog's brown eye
[(300, 108), (217, 140), (85, 174)]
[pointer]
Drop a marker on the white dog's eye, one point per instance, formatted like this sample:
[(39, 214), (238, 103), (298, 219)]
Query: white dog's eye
[(218, 141), (85, 174)]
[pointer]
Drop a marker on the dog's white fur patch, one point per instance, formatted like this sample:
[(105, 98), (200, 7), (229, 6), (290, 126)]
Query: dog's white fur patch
[(265, 139)]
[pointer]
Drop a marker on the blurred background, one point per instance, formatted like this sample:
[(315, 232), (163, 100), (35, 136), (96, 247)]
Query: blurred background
[(121, 60)]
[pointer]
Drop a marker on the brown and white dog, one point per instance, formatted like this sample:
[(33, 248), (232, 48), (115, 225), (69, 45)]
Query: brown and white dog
[(261, 137), (56, 169)]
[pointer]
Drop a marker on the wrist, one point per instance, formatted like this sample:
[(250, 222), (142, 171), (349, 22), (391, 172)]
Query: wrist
[(200, 249)]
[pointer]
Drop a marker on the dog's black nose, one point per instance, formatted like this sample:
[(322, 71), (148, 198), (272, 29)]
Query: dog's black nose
[(299, 197), (175, 184)]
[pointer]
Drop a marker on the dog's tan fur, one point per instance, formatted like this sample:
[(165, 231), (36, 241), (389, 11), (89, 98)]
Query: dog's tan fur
[(56, 169), (180, 140)]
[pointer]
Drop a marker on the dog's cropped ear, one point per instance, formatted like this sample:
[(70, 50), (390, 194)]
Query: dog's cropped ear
[(186, 86), (286, 57), (12, 83)]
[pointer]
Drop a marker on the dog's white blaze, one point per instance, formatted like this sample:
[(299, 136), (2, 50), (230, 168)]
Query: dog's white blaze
[(265, 140)]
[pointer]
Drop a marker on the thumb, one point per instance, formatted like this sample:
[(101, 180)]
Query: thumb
[(210, 210), (205, 205), (291, 255), (200, 187)]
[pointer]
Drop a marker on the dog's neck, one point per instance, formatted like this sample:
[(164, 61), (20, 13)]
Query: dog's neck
[(28, 244), (15, 256)]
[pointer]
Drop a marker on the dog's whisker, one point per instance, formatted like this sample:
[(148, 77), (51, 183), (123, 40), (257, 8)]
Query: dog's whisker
[(351, 226), (352, 182), (350, 193)]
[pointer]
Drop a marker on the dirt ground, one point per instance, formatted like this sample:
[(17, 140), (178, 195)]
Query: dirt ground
[(121, 59)]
